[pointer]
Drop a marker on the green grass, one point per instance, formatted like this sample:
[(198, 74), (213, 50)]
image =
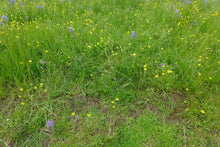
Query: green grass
[(100, 86)]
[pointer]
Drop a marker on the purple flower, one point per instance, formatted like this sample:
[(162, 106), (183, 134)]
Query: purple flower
[(176, 11), (206, 1), (133, 35), (189, 2), (194, 22), (172, 6), (4, 18), (70, 29), (12, 1), (162, 64), (50, 124), (26, 17), (40, 6)]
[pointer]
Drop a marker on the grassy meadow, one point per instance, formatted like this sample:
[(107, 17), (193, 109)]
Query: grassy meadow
[(114, 73)]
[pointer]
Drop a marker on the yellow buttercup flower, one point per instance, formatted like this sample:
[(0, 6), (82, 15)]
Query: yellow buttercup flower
[(41, 85), (202, 111), (169, 71)]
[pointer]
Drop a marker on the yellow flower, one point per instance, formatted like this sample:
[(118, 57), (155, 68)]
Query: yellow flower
[(89, 46), (134, 54), (200, 74), (187, 109), (35, 87), (169, 71), (21, 89), (156, 76), (113, 107), (90, 75), (145, 68), (23, 103), (199, 64), (202, 111), (45, 90), (187, 89), (117, 99), (46, 51), (210, 78), (163, 74), (19, 96), (30, 61), (112, 102), (73, 113), (129, 44), (88, 114), (41, 85)]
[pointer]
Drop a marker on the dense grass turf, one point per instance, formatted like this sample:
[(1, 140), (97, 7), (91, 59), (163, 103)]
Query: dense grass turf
[(114, 73)]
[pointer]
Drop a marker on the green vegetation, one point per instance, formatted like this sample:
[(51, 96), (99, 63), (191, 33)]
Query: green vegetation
[(111, 73)]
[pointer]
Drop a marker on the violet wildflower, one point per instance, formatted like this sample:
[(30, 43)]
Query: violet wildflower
[(4, 18), (12, 1), (189, 2), (50, 124), (162, 65), (176, 11), (172, 6), (206, 1), (133, 35), (70, 29), (42, 6), (194, 22)]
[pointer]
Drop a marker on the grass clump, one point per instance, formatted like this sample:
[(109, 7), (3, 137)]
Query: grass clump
[(109, 73)]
